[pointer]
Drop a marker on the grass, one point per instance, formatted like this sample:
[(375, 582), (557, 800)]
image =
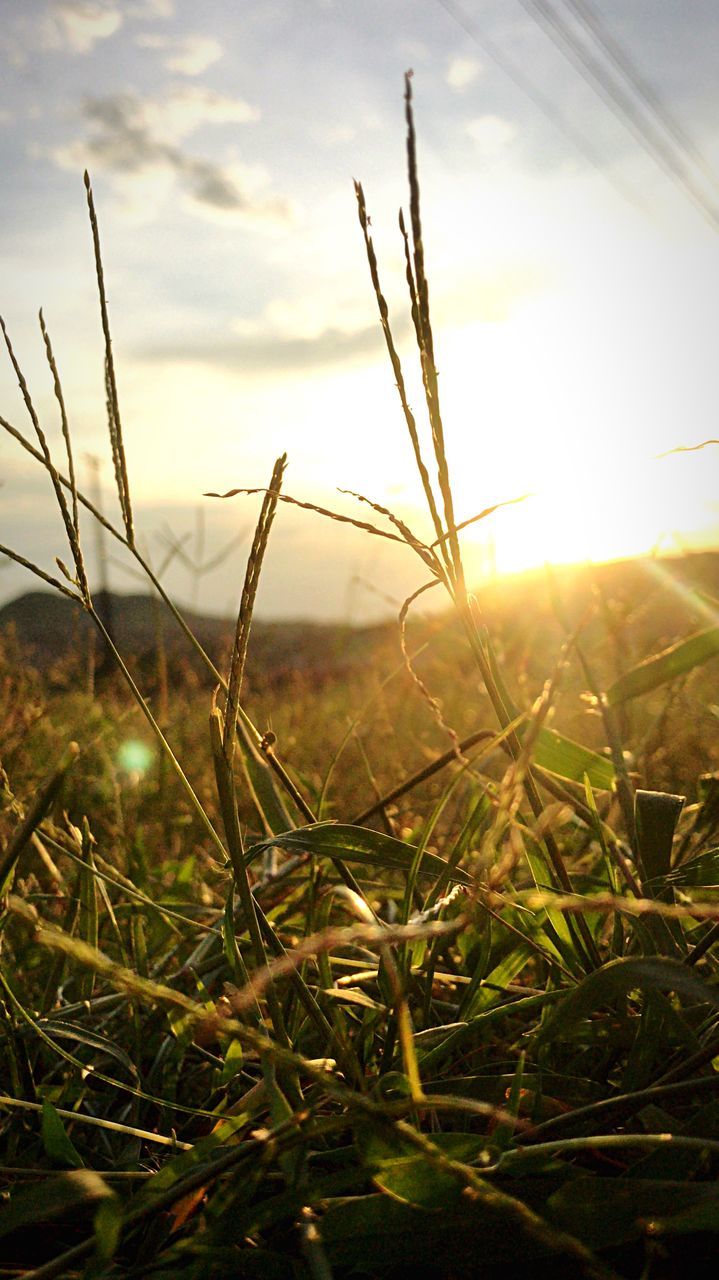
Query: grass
[(470, 1023)]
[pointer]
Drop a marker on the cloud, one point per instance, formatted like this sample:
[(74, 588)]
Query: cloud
[(270, 352), (462, 71), (123, 118), (186, 55), (304, 318), (64, 25), (184, 110), (139, 140), (491, 134), (79, 24), (149, 9)]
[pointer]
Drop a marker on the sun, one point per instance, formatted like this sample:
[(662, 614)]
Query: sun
[(531, 414)]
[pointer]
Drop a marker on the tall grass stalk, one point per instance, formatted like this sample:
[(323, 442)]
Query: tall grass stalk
[(451, 572)]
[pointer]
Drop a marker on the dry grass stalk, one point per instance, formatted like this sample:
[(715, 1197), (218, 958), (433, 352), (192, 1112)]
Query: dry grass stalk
[(75, 541), (335, 937), (247, 604), (114, 421), (320, 511), (426, 342), (39, 573), (410, 538), (46, 459), (429, 698), (395, 360)]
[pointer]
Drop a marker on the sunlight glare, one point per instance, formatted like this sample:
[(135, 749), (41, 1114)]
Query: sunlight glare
[(134, 757), (528, 413)]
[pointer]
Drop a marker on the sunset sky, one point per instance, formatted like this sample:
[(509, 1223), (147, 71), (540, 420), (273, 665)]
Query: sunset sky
[(574, 281)]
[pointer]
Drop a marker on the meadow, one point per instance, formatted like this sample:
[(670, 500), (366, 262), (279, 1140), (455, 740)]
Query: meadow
[(402, 963)]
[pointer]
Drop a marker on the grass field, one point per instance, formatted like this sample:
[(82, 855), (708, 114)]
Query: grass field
[(400, 964)]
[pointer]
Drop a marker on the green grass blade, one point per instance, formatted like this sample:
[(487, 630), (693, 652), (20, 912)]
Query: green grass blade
[(67, 1194), (358, 844), (88, 924), (614, 980), (489, 990), (676, 661), (55, 1140), (269, 804), (700, 872), (101, 1044), (568, 759), (44, 798), (657, 814)]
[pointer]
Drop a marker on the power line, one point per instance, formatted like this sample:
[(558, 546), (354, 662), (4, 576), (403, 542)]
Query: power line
[(535, 95), (652, 100), (614, 96), (619, 102)]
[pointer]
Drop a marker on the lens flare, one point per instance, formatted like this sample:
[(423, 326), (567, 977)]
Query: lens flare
[(134, 757)]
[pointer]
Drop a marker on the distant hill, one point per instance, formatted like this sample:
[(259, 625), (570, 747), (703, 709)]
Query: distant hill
[(48, 626)]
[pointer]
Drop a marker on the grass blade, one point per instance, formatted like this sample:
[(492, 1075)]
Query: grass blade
[(46, 794), (359, 844), (247, 604), (113, 406), (614, 980), (657, 814), (678, 660)]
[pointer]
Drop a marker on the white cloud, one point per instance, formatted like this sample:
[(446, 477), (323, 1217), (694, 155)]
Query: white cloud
[(74, 26), (491, 134), (187, 55), (79, 24), (184, 110), (139, 141), (305, 318), (462, 71)]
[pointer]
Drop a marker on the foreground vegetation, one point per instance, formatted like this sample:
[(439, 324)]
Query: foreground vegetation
[(390, 977)]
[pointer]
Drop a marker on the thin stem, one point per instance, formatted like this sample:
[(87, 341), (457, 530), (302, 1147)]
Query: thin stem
[(623, 1105), (482, 653), (609, 1142), (276, 766), (46, 459), (39, 573), (177, 767), (422, 775), (396, 363), (75, 541), (77, 1117), (426, 343), (247, 603), (114, 421)]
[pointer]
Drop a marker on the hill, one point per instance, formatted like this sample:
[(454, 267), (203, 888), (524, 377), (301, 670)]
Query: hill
[(48, 627), (664, 597)]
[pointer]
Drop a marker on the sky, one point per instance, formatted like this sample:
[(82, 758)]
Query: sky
[(571, 251)]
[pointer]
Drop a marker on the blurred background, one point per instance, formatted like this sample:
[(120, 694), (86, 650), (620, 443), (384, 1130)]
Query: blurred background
[(569, 162)]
